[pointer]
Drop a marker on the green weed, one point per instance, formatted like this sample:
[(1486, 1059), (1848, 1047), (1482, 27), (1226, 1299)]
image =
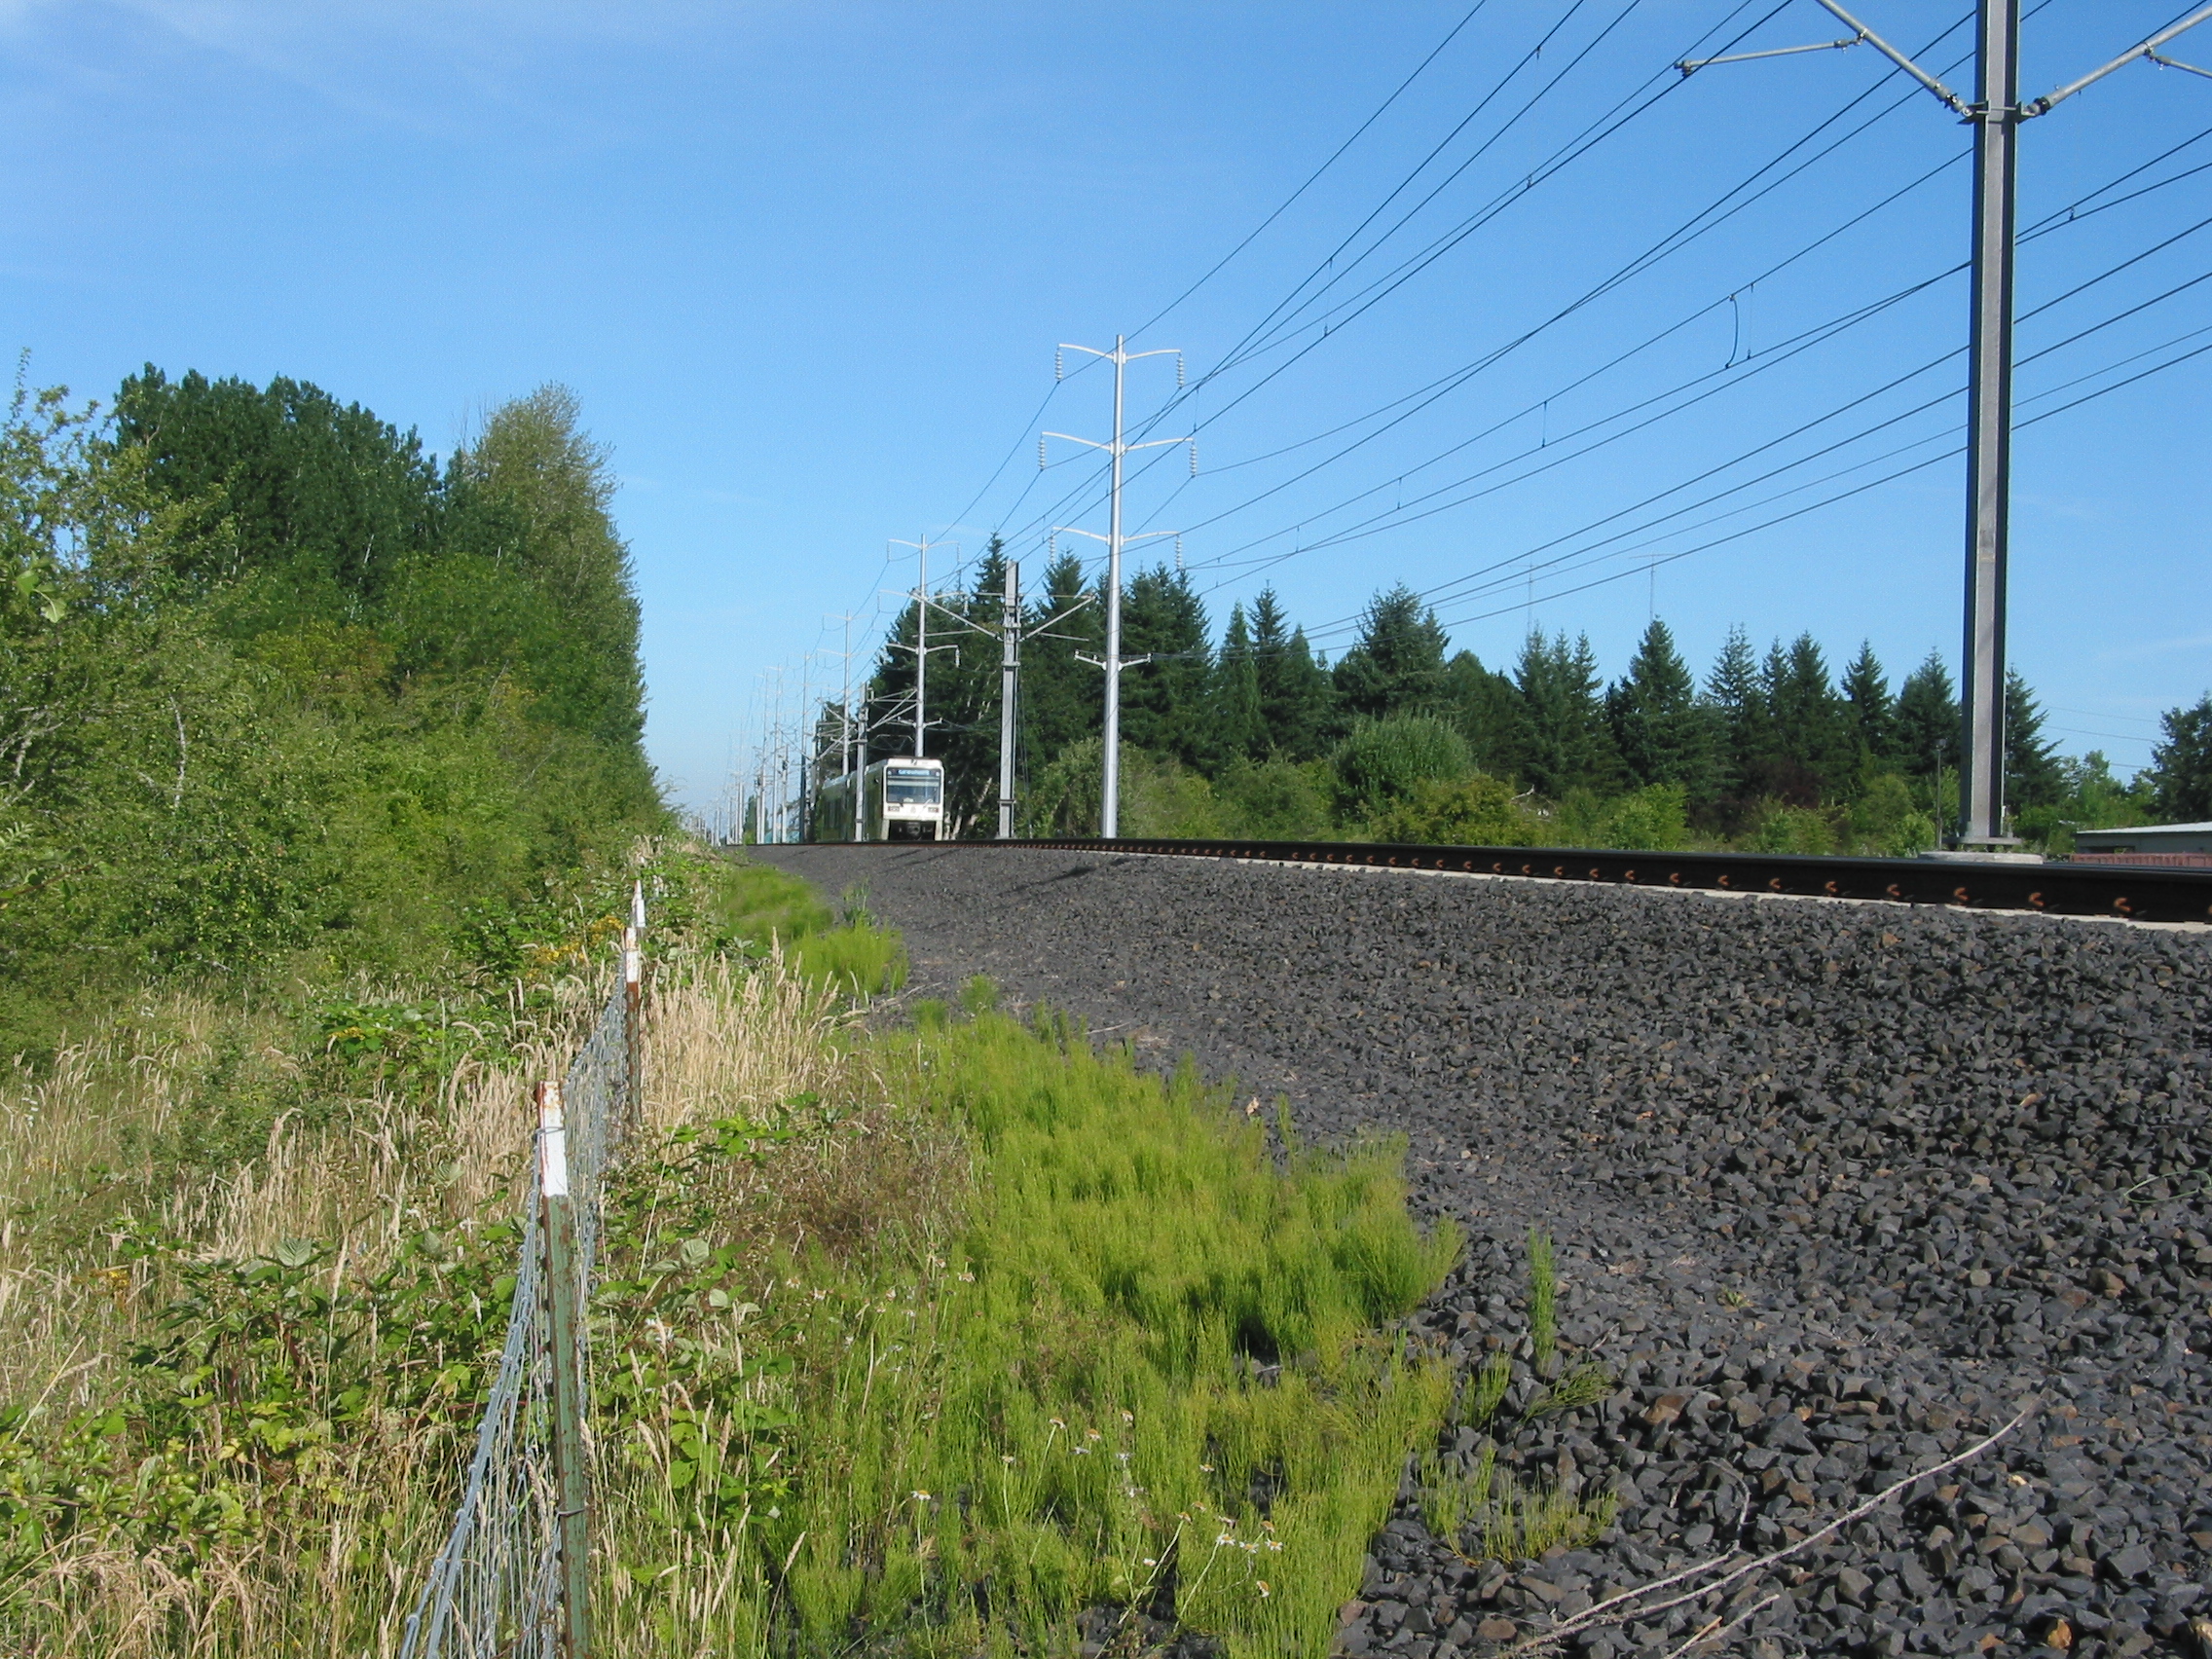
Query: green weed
[(1585, 1386), (1543, 1303), (1486, 1390)]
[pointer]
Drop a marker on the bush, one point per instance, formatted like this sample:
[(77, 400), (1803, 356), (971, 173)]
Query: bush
[(1382, 762), (1159, 797), (1273, 800), (1887, 821), (1475, 811), (1808, 830), (1655, 817)]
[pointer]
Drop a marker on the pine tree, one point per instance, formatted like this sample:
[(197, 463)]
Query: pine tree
[(1806, 760), (1239, 726), (2033, 776), (1927, 728), (2181, 764), (1871, 711), (1564, 744), (1738, 717), (1654, 717), (1296, 697), (1486, 709), (1163, 702), (1061, 699), (1396, 667)]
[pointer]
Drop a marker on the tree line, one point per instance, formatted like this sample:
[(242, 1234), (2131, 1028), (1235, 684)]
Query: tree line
[(277, 686), (1254, 730)]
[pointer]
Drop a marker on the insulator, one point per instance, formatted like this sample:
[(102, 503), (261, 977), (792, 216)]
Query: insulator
[(1193, 457), (1056, 356), (1178, 371), (1178, 555), (1040, 454)]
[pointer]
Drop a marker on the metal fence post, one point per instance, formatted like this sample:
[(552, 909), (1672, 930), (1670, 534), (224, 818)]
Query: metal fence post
[(570, 1477), (633, 1009)]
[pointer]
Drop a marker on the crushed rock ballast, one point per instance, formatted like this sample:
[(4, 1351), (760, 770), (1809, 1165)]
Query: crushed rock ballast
[(1837, 1190)]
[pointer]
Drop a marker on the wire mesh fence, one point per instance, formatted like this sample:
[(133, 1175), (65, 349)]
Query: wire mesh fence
[(506, 1582)]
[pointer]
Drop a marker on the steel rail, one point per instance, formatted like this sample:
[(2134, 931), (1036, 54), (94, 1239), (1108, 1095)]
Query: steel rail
[(2129, 892)]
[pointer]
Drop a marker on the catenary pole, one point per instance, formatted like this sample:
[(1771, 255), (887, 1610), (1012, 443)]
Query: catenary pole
[(921, 647), (1110, 781), (1010, 666), (1995, 114), (1110, 775)]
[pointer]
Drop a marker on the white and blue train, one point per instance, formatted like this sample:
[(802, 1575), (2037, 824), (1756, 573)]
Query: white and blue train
[(898, 799)]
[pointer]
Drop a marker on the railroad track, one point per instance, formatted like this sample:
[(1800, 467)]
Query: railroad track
[(2122, 892)]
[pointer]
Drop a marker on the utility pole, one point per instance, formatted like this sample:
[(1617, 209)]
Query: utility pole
[(1109, 793), (1009, 664), (921, 637), (1995, 114), (806, 744)]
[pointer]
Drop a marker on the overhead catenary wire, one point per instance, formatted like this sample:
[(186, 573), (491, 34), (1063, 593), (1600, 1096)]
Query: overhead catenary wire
[(1517, 563), (1516, 567), (1586, 140), (1706, 219), (1951, 454), (1313, 178), (2078, 211)]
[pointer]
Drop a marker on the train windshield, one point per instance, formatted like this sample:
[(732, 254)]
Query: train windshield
[(914, 785)]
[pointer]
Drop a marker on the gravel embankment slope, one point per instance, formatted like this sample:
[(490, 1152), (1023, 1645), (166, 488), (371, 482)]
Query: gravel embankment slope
[(1835, 1188)]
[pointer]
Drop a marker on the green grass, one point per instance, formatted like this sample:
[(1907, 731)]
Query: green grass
[(1543, 1303), (758, 908), (1052, 1400), (918, 1340)]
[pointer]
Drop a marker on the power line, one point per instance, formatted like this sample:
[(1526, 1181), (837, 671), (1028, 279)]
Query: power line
[(1589, 138), (1681, 237), (1954, 450), (2061, 220), (1313, 177)]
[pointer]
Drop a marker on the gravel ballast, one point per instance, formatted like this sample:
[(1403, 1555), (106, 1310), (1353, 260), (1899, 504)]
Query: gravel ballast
[(1838, 1190)]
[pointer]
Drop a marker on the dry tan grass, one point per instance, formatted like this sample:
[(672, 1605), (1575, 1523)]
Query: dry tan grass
[(339, 1578), (728, 1042)]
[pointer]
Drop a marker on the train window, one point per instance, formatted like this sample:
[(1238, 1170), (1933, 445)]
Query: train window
[(914, 785)]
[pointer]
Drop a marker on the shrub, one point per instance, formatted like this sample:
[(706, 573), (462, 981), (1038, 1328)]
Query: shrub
[(1382, 762), (1793, 830), (1476, 811), (1273, 800), (1654, 817)]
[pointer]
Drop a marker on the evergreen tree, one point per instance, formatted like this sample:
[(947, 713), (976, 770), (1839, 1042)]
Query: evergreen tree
[(1061, 697), (964, 690), (1564, 744), (1396, 667), (2181, 764), (2033, 776), (1486, 709), (1737, 702), (1296, 697), (1654, 717), (1927, 728), (1805, 758), (1240, 730), (1164, 702), (1871, 711), (319, 503)]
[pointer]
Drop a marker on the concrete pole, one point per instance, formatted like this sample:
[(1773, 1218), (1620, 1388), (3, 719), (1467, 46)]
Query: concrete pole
[(1009, 664), (1110, 790), (1996, 117)]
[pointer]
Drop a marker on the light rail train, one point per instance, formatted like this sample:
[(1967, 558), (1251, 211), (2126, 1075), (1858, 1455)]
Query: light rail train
[(898, 799)]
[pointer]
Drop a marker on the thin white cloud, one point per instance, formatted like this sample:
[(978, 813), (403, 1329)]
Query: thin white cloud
[(2156, 648)]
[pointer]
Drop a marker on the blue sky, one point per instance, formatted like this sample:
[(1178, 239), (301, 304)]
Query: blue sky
[(806, 266)]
